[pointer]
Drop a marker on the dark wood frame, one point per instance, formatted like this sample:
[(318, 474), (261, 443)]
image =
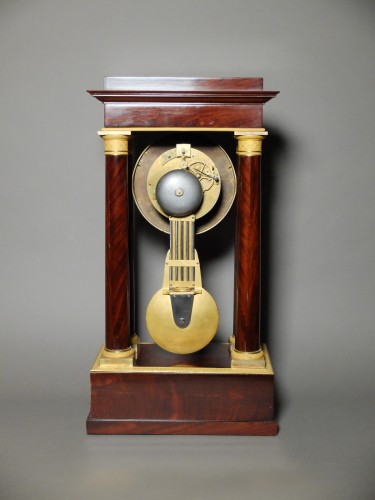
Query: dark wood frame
[(165, 401)]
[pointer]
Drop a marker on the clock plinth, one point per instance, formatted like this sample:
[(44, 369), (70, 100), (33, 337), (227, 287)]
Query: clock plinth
[(164, 393), (224, 388)]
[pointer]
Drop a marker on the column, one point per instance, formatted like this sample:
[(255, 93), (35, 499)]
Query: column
[(247, 349), (118, 342)]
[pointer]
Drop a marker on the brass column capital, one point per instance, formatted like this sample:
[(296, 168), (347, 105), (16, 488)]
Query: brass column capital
[(115, 141), (250, 143)]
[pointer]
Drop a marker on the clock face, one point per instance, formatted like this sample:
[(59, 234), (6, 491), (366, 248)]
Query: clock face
[(206, 172)]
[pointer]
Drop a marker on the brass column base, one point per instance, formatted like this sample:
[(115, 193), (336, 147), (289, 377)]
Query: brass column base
[(117, 359), (240, 359)]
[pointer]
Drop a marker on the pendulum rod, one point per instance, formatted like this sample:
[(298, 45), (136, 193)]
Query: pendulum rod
[(182, 274)]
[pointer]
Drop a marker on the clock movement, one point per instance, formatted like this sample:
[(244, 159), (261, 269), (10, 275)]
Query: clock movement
[(184, 183)]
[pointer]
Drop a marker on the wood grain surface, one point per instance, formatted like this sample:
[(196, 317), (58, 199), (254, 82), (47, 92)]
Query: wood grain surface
[(118, 329), (247, 265)]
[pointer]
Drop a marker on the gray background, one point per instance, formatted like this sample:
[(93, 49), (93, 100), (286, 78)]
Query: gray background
[(319, 244)]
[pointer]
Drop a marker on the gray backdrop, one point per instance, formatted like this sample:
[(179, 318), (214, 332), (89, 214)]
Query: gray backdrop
[(318, 314)]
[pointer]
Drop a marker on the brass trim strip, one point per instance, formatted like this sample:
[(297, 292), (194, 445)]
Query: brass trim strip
[(118, 368), (182, 129), (182, 262)]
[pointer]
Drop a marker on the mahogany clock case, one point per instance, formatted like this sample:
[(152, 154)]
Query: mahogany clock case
[(214, 390)]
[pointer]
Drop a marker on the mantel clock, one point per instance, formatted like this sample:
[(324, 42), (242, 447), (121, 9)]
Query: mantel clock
[(184, 182)]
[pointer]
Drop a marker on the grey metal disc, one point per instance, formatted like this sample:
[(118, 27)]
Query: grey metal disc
[(179, 193)]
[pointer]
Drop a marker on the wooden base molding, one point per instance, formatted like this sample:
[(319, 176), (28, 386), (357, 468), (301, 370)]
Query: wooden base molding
[(220, 428), (165, 393)]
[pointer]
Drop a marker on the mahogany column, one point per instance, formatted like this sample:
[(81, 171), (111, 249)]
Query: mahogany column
[(118, 315), (248, 232)]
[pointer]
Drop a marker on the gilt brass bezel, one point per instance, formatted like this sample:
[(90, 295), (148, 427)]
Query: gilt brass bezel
[(216, 211)]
